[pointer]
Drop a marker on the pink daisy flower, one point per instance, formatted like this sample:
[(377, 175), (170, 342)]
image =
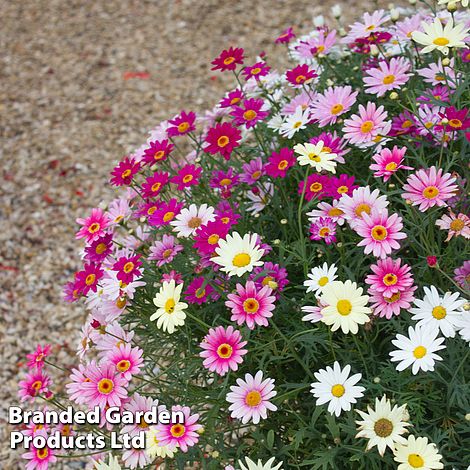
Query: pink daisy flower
[(332, 144), (228, 59), (389, 277), (403, 124), (36, 359), (224, 181), (279, 163), (285, 36), (93, 226), (227, 215), (105, 386), (223, 349), (258, 70), (439, 92), (199, 291), (124, 172), (250, 398), (334, 102), (252, 171), (366, 126), (428, 188), (165, 213), (371, 23), (271, 275), (74, 387), (462, 275), (87, 280), (250, 113), (39, 459), (343, 184), (325, 209), (158, 151), (187, 176), (388, 76), (383, 306), (251, 305), (182, 435), (380, 232), (300, 75), (316, 45), (223, 139), (233, 97), (387, 162), (455, 224), (154, 184), (135, 458), (139, 403), (316, 186), (33, 385), (164, 251), (437, 74), (172, 276), (127, 268), (126, 359), (181, 124), (323, 228), (207, 237)]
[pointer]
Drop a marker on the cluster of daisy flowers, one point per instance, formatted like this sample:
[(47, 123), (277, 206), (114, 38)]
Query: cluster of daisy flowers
[(261, 259)]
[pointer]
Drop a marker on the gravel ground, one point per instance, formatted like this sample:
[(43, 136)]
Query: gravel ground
[(68, 112)]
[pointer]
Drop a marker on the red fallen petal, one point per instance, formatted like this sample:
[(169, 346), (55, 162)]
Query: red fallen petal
[(4, 267), (47, 199), (141, 75), (79, 193)]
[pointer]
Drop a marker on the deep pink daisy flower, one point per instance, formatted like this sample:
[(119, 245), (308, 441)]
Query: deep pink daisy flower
[(316, 186), (388, 76), (126, 359), (164, 251), (127, 268), (165, 213), (285, 36), (387, 162), (343, 184), (182, 124), (182, 435), (104, 387), (334, 102), (271, 275), (207, 237), (154, 184), (233, 97), (279, 163), (384, 306), (158, 151), (223, 139), (224, 180), (146, 209), (39, 459), (462, 275), (389, 276), (250, 398), (99, 249), (223, 350), (251, 305), (198, 291), (187, 176), (172, 276), (252, 171), (87, 279), (364, 127), (300, 75), (439, 93), (454, 119), (34, 384), (380, 232), (228, 59), (332, 144), (36, 359), (93, 226), (323, 228), (258, 70), (227, 216), (403, 124), (428, 188), (124, 172), (250, 113)]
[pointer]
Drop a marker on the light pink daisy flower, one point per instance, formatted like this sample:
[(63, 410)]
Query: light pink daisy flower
[(182, 435), (118, 210), (304, 100), (380, 233), (428, 188), (389, 276), (36, 359), (313, 313), (139, 403), (366, 126), (428, 117), (251, 305), (437, 74), (404, 29), (250, 398), (334, 102), (361, 202), (126, 359), (105, 386), (135, 458), (383, 306), (39, 459), (387, 76), (371, 23), (325, 209), (455, 224), (387, 162), (93, 227), (164, 251), (223, 349)]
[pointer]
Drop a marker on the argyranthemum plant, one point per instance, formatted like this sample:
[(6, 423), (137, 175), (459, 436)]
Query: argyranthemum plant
[(290, 270)]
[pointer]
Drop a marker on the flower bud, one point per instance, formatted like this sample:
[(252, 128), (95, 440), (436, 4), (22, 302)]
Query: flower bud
[(445, 61), (283, 221), (336, 11), (374, 50), (394, 14), (393, 95), (329, 82), (412, 2), (432, 261), (451, 7), (376, 380), (319, 21), (467, 416)]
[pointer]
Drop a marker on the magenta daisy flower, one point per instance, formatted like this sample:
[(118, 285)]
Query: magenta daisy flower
[(250, 398), (104, 386), (387, 162), (383, 306), (379, 232), (187, 176), (334, 102), (127, 268), (323, 228), (344, 184), (258, 70), (154, 184), (164, 251), (462, 275), (199, 291), (39, 458), (157, 151), (388, 76), (207, 237), (224, 180), (223, 350), (172, 276), (126, 359), (428, 188), (316, 186), (285, 36), (99, 249), (271, 275), (36, 359), (33, 385), (279, 163), (182, 435), (439, 93), (124, 172), (403, 124), (165, 212), (250, 113), (87, 280), (227, 215), (251, 305), (181, 124), (233, 97), (223, 139), (252, 171), (300, 75), (389, 277), (364, 127), (228, 59), (93, 226)]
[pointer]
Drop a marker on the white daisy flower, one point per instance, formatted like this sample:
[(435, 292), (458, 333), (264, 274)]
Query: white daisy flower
[(319, 277), (463, 323), (417, 452), (418, 349), (346, 306), (436, 36), (442, 313), (238, 255), (191, 218), (153, 447), (170, 312), (295, 122), (384, 425), (276, 122), (261, 199), (315, 156), (335, 387), (250, 465), (112, 464), (464, 3)]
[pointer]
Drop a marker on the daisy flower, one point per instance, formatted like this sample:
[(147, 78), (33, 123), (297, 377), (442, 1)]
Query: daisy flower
[(371, 23), (33, 385), (303, 99), (316, 186), (36, 359), (256, 71), (295, 123), (165, 213), (387, 162), (39, 458), (191, 218), (143, 404), (279, 163), (346, 307), (187, 176), (462, 275), (313, 313), (123, 173), (94, 226), (250, 113), (319, 277), (442, 313), (222, 349), (164, 251), (223, 139), (251, 465), (427, 188), (207, 237), (252, 171), (238, 255), (157, 151), (198, 291), (323, 228), (388, 76), (455, 224), (126, 359), (418, 349), (417, 452), (334, 102), (127, 268), (250, 398), (300, 75), (384, 425), (231, 98), (380, 233), (389, 276), (325, 209), (271, 275), (87, 279), (228, 59), (335, 387), (182, 124), (251, 305), (344, 184), (153, 447), (284, 38), (154, 184), (170, 312), (315, 156), (435, 36), (438, 74), (99, 249)]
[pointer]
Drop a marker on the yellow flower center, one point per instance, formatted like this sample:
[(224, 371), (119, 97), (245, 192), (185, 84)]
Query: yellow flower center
[(455, 123), (441, 41), (121, 302), (241, 260), (335, 212), (177, 430), (337, 390), (439, 312), (362, 208), (416, 461), (251, 305), (118, 219), (158, 155), (324, 231), (200, 293), (250, 114), (151, 210), (390, 279), (213, 239), (457, 225), (229, 60), (256, 175), (342, 189), (143, 424), (314, 157), (388, 79), (126, 173), (379, 232), (93, 228), (225, 182), (188, 178), (224, 351), (42, 453), (222, 141), (183, 127), (253, 398), (156, 187), (316, 187), (323, 281), (383, 427), (430, 192), (170, 306), (167, 253), (100, 248), (406, 124), (419, 352), (168, 216), (123, 365), (297, 124), (105, 386), (391, 166), (36, 385), (255, 71), (128, 267), (282, 165), (90, 279), (195, 222), (300, 79), (367, 126), (344, 307), (336, 109), (393, 298)]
